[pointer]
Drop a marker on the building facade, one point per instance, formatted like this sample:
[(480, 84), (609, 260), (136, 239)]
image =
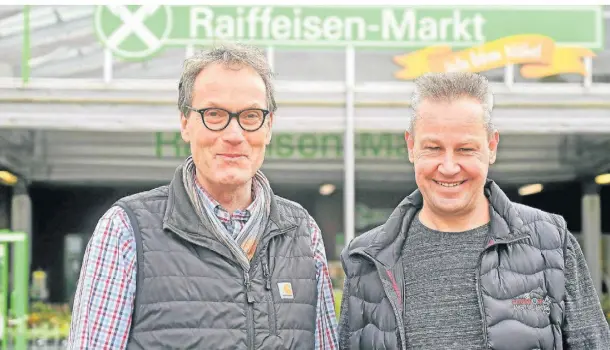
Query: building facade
[(88, 96)]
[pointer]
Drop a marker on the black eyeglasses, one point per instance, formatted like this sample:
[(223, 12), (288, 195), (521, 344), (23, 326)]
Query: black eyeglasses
[(217, 119)]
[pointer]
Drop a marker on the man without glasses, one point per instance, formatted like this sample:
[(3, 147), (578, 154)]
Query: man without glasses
[(214, 260), (458, 265)]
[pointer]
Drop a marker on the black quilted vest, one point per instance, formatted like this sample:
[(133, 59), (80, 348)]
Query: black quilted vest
[(522, 260), (197, 296)]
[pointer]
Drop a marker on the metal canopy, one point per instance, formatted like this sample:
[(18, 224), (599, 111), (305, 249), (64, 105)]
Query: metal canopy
[(303, 106), (128, 157)]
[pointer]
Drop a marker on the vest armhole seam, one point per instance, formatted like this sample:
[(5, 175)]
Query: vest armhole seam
[(139, 254)]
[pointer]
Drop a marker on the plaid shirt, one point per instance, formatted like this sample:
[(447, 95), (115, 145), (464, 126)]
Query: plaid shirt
[(103, 304)]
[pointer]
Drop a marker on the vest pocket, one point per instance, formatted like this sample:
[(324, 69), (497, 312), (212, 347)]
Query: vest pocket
[(270, 299), (272, 320)]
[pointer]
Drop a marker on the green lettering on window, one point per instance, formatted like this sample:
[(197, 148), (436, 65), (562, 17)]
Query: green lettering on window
[(308, 146), (376, 145), (282, 145), (302, 146), (331, 146), (180, 149)]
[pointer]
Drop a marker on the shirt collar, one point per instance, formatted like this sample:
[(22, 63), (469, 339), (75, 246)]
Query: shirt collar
[(212, 203)]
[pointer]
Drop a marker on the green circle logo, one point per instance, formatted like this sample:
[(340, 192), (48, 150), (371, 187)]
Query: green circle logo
[(132, 31)]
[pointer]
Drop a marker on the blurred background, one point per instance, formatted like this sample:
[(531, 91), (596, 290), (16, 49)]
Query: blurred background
[(88, 114)]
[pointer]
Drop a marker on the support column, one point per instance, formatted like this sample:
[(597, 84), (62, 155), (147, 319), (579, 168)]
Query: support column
[(592, 231), (21, 213), (349, 153)]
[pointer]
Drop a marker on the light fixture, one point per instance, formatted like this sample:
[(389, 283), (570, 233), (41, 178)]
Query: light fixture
[(530, 189), (8, 178), (327, 189), (603, 179)]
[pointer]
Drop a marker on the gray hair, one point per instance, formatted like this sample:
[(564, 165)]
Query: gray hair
[(231, 55), (451, 86)]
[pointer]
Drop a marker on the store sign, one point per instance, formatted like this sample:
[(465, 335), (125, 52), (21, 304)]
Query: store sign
[(539, 56), (303, 146), (140, 32)]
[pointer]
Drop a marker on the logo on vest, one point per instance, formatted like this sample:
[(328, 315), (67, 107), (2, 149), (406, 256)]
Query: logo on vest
[(285, 290), (533, 301)]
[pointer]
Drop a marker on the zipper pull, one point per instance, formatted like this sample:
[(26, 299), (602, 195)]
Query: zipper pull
[(249, 295), (266, 275)]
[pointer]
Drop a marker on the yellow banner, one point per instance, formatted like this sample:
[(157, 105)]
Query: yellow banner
[(538, 55)]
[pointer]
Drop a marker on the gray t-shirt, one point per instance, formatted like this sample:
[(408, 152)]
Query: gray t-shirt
[(441, 305)]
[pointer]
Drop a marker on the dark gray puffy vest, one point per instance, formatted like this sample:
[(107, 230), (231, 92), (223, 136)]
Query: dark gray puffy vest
[(197, 296), (520, 282)]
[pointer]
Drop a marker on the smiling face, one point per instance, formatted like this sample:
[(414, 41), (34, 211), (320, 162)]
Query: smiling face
[(451, 151), (232, 156)]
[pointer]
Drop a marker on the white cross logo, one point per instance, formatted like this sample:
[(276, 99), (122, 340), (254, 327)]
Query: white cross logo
[(134, 23)]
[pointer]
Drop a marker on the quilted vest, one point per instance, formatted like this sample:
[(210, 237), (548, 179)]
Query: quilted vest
[(197, 296), (520, 279)]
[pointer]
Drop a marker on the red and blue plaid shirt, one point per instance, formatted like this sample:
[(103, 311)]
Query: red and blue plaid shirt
[(103, 304)]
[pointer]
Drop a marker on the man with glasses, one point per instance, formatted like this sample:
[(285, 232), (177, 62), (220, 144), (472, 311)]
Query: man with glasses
[(214, 260)]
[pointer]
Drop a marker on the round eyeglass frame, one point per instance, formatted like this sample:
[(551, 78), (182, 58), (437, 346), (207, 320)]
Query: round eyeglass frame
[(231, 116)]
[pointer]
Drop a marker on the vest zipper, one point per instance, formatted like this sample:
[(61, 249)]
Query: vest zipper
[(478, 282), (249, 315), (266, 274), (270, 299), (480, 297), (263, 255)]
